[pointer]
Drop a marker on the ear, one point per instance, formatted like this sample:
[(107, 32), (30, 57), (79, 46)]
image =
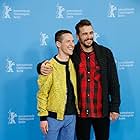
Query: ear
[(58, 44)]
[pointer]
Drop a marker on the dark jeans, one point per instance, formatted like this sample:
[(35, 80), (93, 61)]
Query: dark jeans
[(101, 128)]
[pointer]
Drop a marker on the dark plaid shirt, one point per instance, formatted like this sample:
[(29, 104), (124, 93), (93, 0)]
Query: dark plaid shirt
[(90, 96)]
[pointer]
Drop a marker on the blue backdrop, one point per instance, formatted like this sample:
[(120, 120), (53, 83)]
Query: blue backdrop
[(27, 30)]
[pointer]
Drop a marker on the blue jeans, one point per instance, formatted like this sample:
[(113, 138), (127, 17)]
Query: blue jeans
[(61, 129)]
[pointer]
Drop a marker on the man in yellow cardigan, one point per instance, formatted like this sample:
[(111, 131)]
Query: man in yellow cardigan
[(57, 96)]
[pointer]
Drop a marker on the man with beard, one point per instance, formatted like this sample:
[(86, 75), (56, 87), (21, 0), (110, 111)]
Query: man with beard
[(97, 84)]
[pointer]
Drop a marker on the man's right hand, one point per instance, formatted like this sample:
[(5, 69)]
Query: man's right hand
[(44, 126), (46, 69)]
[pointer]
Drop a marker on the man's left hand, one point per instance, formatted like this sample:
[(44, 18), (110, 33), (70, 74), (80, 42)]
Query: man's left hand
[(114, 115)]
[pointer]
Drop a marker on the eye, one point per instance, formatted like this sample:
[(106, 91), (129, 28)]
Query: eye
[(91, 33), (85, 33)]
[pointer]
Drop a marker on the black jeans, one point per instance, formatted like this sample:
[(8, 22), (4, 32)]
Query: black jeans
[(101, 128)]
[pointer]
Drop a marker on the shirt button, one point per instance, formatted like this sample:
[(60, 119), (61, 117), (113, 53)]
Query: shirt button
[(88, 80), (88, 57), (88, 95), (88, 72), (87, 111)]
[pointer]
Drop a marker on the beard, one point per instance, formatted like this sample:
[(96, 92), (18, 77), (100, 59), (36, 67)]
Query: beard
[(86, 45)]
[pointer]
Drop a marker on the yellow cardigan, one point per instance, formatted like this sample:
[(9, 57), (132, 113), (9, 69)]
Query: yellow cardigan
[(52, 94)]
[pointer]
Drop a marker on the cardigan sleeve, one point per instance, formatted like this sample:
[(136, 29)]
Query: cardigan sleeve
[(114, 86), (44, 85)]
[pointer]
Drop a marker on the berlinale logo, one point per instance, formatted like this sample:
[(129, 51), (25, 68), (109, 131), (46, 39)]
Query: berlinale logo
[(43, 39), (9, 65), (59, 11), (6, 11), (112, 10), (11, 117)]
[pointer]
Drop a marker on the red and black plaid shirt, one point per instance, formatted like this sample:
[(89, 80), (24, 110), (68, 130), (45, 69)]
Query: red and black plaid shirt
[(90, 96)]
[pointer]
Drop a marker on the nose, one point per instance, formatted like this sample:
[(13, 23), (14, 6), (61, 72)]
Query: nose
[(89, 36)]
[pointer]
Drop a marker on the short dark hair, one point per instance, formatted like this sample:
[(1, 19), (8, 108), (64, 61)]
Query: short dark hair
[(81, 23), (58, 34)]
